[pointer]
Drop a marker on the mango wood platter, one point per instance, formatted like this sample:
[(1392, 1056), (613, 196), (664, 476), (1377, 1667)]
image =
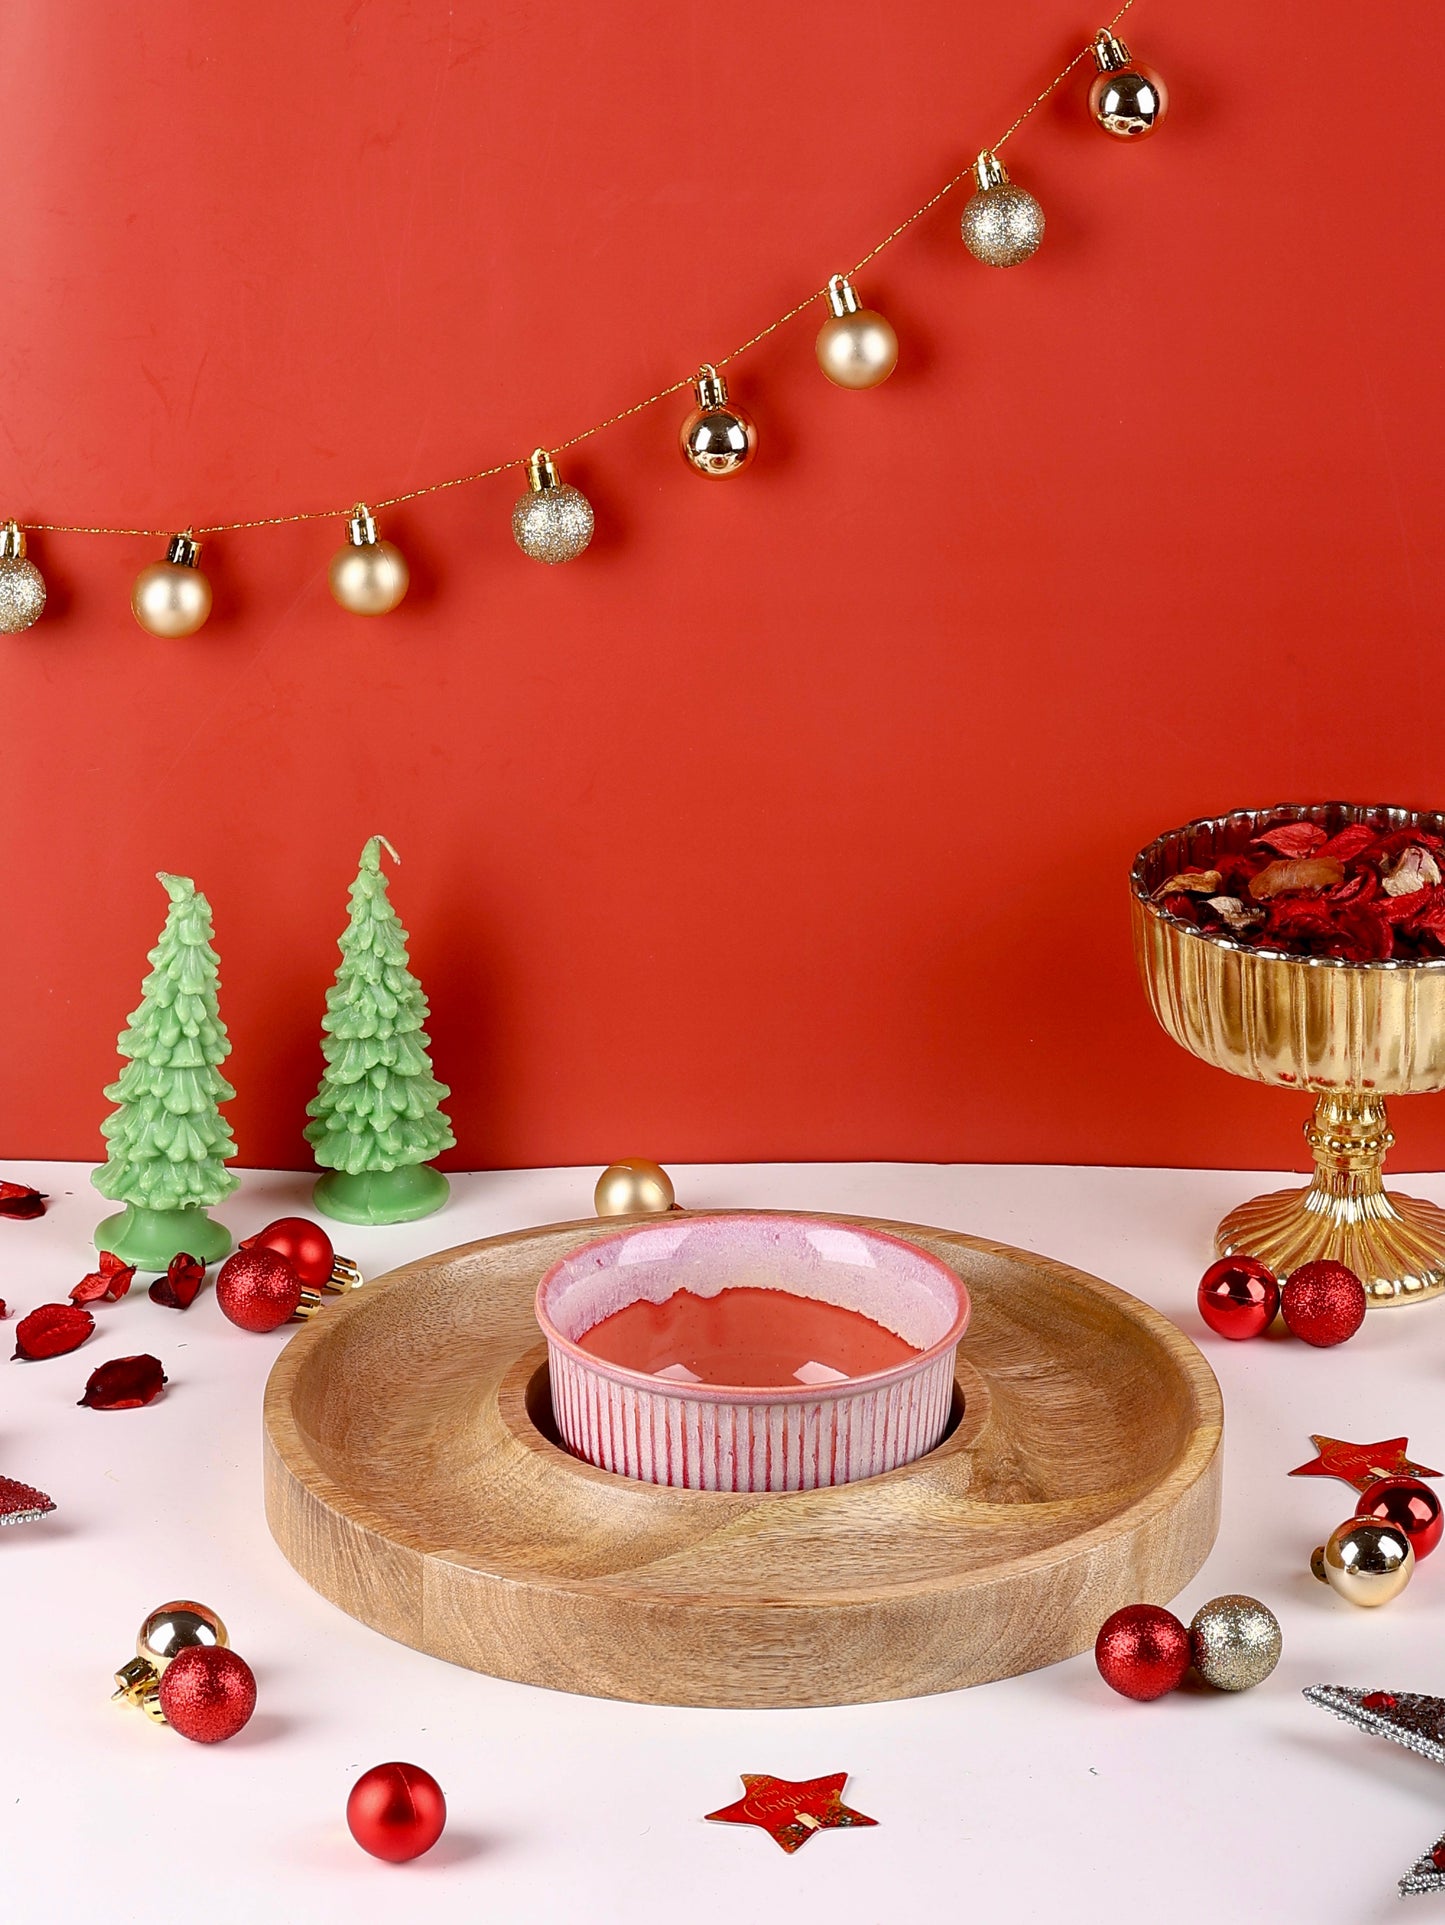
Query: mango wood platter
[(413, 1477)]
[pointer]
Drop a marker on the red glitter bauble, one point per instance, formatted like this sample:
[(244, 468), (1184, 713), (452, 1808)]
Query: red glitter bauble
[(207, 1693), (258, 1289), (305, 1246), (1238, 1297), (1324, 1303), (1409, 1505), (1142, 1651), (396, 1811)]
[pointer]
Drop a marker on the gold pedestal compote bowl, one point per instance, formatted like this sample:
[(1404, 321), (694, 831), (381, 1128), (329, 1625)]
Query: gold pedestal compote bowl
[(1352, 1033)]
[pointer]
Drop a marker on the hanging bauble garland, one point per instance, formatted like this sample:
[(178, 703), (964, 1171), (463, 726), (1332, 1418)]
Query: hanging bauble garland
[(553, 522)]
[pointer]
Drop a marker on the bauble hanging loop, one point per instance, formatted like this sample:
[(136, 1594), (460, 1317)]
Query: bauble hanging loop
[(368, 576), (1002, 224), (553, 521), (167, 1631), (717, 438), (1126, 99), (172, 598), (856, 345), (22, 586)]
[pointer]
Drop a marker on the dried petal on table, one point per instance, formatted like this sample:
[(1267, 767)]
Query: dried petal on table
[(110, 1281), (178, 1288), (125, 1383), (19, 1200), (52, 1331)]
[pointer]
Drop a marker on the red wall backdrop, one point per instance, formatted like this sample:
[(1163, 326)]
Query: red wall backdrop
[(793, 820)]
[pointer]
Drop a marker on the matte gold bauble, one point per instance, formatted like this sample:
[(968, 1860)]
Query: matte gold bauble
[(717, 438), (368, 576), (172, 597), (633, 1187), (22, 586), (1126, 99), (552, 522), (856, 346), (163, 1635), (1234, 1642), (1366, 1561), (1002, 224)]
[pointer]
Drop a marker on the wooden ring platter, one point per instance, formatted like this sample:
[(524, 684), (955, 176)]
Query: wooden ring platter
[(411, 1479)]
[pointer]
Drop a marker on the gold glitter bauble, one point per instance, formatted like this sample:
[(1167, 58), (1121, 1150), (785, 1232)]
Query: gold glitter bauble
[(856, 346), (1002, 224), (1234, 1642), (368, 576), (1127, 100), (22, 586), (633, 1187), (172, 597), (717, 438), (1366, 1561), (552, 522)]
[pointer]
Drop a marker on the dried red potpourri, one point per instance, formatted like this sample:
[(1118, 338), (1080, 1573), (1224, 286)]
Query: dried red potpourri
[(52, 1331), (1361, 895), (125, 1383), (110, 1281), (19, 1200), (178, 1288)]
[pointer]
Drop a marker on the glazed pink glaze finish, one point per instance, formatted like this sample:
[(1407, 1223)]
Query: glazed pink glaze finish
[(777, 1438)]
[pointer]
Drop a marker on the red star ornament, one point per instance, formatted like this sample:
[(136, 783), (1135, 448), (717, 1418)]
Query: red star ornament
[(791, 1810), (1360, 1465), (21, 1503)]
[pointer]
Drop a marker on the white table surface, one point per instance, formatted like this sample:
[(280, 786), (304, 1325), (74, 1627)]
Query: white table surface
[(1044, 1797)]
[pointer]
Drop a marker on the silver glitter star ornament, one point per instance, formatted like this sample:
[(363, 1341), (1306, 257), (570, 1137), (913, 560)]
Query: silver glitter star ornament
[(1412, 1720)]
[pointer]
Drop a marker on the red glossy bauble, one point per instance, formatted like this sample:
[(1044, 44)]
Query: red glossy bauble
[(1324, 1302), (305, 1246), (258, 1289), (207, 1693), (1142, 1651), (1408, 1504), (396, 1811), (1238, 1297)]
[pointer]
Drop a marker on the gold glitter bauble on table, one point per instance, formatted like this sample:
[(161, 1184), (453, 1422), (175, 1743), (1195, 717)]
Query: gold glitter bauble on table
[(368, 576), (856, 345), (553, 521), (1126, 99), (1234, 1642), (1002, 224), (718, 438), (22, 586), (633, 1187), (172, 598), (1366, 1561)]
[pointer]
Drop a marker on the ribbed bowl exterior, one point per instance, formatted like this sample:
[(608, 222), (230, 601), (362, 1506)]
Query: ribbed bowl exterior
[(1297, 1022), (721, 1445)]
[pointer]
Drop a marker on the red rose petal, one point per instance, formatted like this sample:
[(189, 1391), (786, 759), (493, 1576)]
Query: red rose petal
[(52, 1331), (125, 1383), (178, 1288), (110, 1281), (19, 1201), (1291, 839), (1353, 841)]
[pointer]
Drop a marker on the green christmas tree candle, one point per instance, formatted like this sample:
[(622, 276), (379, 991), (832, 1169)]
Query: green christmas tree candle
[(167, 1142), (377, 1116)]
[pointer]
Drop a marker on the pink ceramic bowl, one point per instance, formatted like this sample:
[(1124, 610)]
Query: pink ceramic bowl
[(821, 1425)]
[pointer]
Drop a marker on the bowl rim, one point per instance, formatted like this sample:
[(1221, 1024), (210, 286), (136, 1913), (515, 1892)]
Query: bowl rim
[(758, 1393), (1299, 811)]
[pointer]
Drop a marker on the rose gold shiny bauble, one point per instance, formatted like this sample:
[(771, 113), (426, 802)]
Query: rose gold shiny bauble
[(172, 598), (368, 576), (717, 438), (633, 1187), (1366, 1561), (1126, 99), (856, 346)]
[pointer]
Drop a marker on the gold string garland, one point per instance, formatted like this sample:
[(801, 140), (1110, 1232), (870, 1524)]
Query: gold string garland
[(1103, 47)]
